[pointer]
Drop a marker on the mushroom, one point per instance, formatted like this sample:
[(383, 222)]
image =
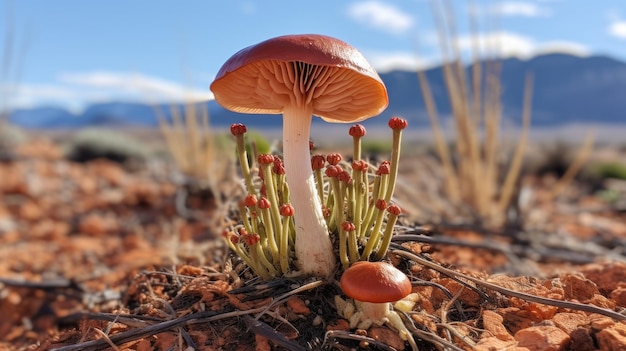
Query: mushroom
[(374, 286), (301, 76)]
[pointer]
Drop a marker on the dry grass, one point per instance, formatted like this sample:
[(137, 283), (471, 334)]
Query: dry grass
[(191, 143), (474, 174), (13, 54)]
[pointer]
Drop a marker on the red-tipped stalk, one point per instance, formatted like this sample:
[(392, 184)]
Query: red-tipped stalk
[(397, 124), (394, 211)]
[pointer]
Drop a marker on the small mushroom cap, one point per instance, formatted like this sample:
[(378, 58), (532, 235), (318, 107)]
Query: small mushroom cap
[(376, 282), (297, 70)]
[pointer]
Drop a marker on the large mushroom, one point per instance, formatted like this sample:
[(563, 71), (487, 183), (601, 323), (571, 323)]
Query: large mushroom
[(301, 76)]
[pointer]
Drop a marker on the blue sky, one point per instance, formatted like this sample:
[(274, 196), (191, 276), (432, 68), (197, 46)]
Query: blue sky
[(72, 53)]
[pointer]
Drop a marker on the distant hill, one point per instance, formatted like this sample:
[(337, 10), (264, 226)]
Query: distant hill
[(567, 90)]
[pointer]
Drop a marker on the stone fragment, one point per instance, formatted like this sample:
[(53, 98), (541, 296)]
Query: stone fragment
[(493, 323), (612, 338), (387, 336), (542, 338)]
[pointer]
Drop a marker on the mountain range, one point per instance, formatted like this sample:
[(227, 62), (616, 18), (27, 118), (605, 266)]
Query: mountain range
[(567, 90)]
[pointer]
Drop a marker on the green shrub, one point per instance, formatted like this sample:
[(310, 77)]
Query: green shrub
[(376, 147), (94, 143), (610, 170)]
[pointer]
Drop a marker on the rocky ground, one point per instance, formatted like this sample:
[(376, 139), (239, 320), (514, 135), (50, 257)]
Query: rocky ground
[(97, 255)]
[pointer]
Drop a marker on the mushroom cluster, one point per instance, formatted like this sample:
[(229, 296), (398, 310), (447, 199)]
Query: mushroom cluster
[(299, 76)]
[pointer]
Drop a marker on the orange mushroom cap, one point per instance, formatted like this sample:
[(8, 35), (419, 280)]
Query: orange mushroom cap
[(301, 69), (375, 282)]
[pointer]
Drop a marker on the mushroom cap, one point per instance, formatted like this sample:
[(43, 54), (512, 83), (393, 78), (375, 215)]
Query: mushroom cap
[(325, 72), (376, 282)]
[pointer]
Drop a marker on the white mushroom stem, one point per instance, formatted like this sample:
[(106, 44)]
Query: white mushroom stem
[(380, 313), (313, 248), (377, 312)]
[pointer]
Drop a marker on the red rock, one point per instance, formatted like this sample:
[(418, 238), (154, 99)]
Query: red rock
[(297, 306), (581, 340), (569, 321), (542, 338), (619, 295), (613, 338), (577, 287), (494, 344), (606, 276), (387, 336), (493, 323)]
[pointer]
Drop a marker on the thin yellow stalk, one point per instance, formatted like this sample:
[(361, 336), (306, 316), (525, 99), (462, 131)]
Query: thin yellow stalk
[(452, 86), (516, 163), (177, 128), (476, 69), (581, 158), (191, 122), (173, 143), (209, 145), (467, 138), (450, 176)]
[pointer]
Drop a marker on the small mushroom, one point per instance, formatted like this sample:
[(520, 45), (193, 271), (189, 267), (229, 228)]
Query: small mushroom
[(301, 76), (375, 285)]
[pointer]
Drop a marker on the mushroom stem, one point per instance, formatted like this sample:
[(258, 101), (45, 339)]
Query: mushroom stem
[(313, 248), (376, 312)]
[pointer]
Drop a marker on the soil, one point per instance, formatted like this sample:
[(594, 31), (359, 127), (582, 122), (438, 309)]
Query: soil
[(98, 255)]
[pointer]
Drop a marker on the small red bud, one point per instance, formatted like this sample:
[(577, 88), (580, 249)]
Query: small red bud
[(317, 161), (264, 203), (286, 210), (360, 165), (251, 239), (332, 171), (250, 200), (383, 168), (233, 238), (381, 204), (265, 159), (348, 226), (344, 176), (357, 131), (238, 129), (397, 123), (278, 168), (394, 209), (334, 158), (326, 212), (311, 145)]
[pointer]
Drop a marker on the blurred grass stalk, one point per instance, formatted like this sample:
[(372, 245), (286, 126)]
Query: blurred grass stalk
[(191, 143), (474, 177), (13, 58)]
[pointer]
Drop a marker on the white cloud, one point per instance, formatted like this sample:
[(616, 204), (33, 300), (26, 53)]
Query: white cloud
[(517, 8), (389, 61), (496, 44), (563, 47), (508, 44), (81, 89), (28, 95), (502, 44), (381, 15), (618, 29), (135, 84), (248, 8)]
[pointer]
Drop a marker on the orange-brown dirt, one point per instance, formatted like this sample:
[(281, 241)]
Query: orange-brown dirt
[(91, 251)]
